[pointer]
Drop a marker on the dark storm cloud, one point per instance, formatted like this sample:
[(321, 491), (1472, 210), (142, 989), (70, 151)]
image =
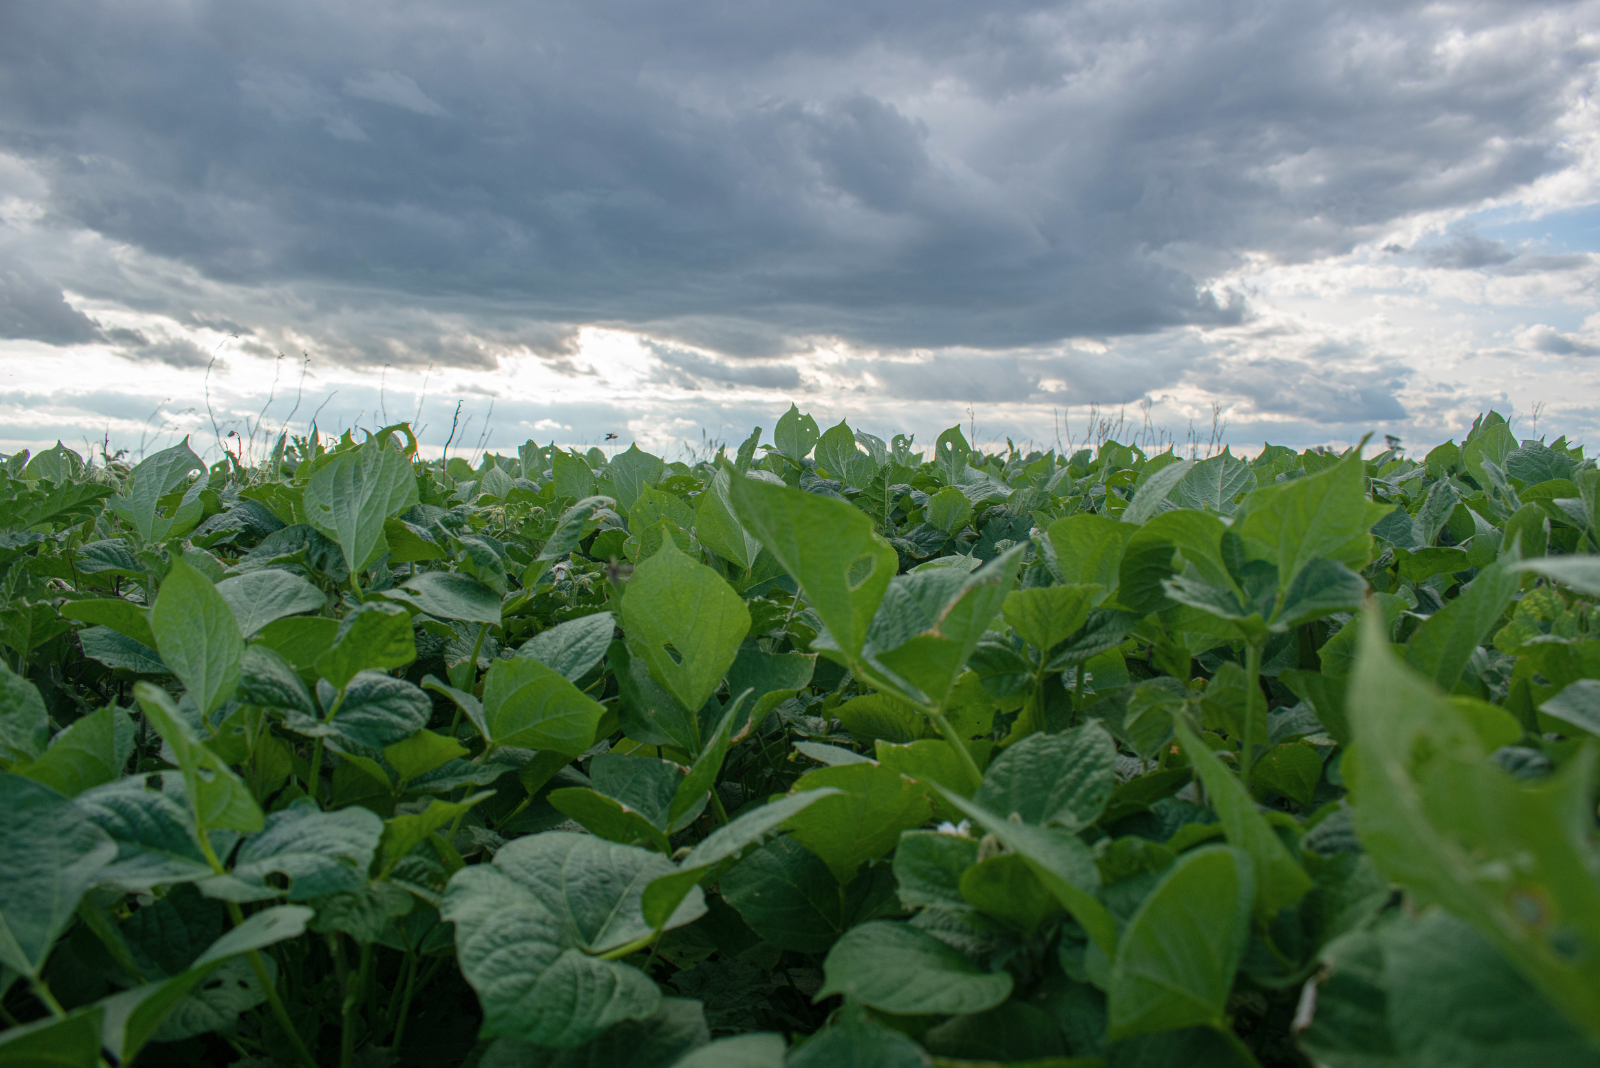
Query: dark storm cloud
[(688, 369), (34, 310), (893, 174)]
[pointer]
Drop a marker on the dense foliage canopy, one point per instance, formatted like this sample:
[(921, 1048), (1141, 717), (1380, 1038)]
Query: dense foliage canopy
[(825, 753)]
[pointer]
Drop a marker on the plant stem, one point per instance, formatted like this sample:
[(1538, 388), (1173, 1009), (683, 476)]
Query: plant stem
[(274, 1002), (353, 989), (405, 1004), (314, 780), (974, 773), (41, 990), (1252, 692), (716, 806)]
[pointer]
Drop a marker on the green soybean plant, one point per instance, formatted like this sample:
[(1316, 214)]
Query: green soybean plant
[(818, 751)]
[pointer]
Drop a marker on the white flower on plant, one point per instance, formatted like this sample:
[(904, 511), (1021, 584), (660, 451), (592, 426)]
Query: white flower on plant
[(960, 830)]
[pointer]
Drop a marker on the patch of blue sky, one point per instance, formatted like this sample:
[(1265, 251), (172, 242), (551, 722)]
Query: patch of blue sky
[(1571, 230)]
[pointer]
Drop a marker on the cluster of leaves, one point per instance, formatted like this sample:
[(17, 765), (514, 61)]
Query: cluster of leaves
[(825, 753)]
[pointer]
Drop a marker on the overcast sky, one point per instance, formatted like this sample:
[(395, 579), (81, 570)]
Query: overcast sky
[(667, 221)]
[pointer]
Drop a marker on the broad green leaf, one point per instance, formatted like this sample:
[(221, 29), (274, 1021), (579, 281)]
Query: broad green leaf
[(950, 454), (124, 617), (595, 886), (1060, 860), (771, 679), (259, 597), (949, 510), (534, 983), (301, 640), (1005, 888), (1174, 966), (838, 455), (452, 595), (319, 853), (787, 896), (928, 866), (647, 712), (154, 831), (1326, 515), (685, 622), (761, 1049), (795, 434), (267, 680), (690, 797), (1149, 497), (1493, 445), (1437, 818), (930, 623), (897, 968), (862, 822), (716, 526), (658, 516), (927, 761), (573, 648), (1173, 543), (135, 1017), (1446, 641), (527, 704), (1582, 573), (876, 716), (577, 523), (421, 753), (643, 785), (573, 477), (350, 496), (220, 799), (608, 818), (1212, 484), (197, 635), (375, 711), (1293, 770), (677, 1027), (374, 635), (829, 547), (24, 723), (721, 846), (409, 543), (1279, 880), (404, 833), (151, 479), (1454, 1002), (631, 471), (92, 751), (73, 1041), (50, 853), (1045, 616), (1088, 548), (857, 1043), (1060, 780)]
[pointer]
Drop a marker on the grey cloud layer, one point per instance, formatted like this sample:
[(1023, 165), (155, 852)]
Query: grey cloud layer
[(894, 174)]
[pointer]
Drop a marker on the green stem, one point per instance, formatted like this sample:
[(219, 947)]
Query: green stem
[(41, 990), (465, 676), (314, 781), (974, 774), (274, 1002), (1252, 693), (1239, 1047), (716, 806), (406, 974), (354, 987), (632, 947), (405, 1005)]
